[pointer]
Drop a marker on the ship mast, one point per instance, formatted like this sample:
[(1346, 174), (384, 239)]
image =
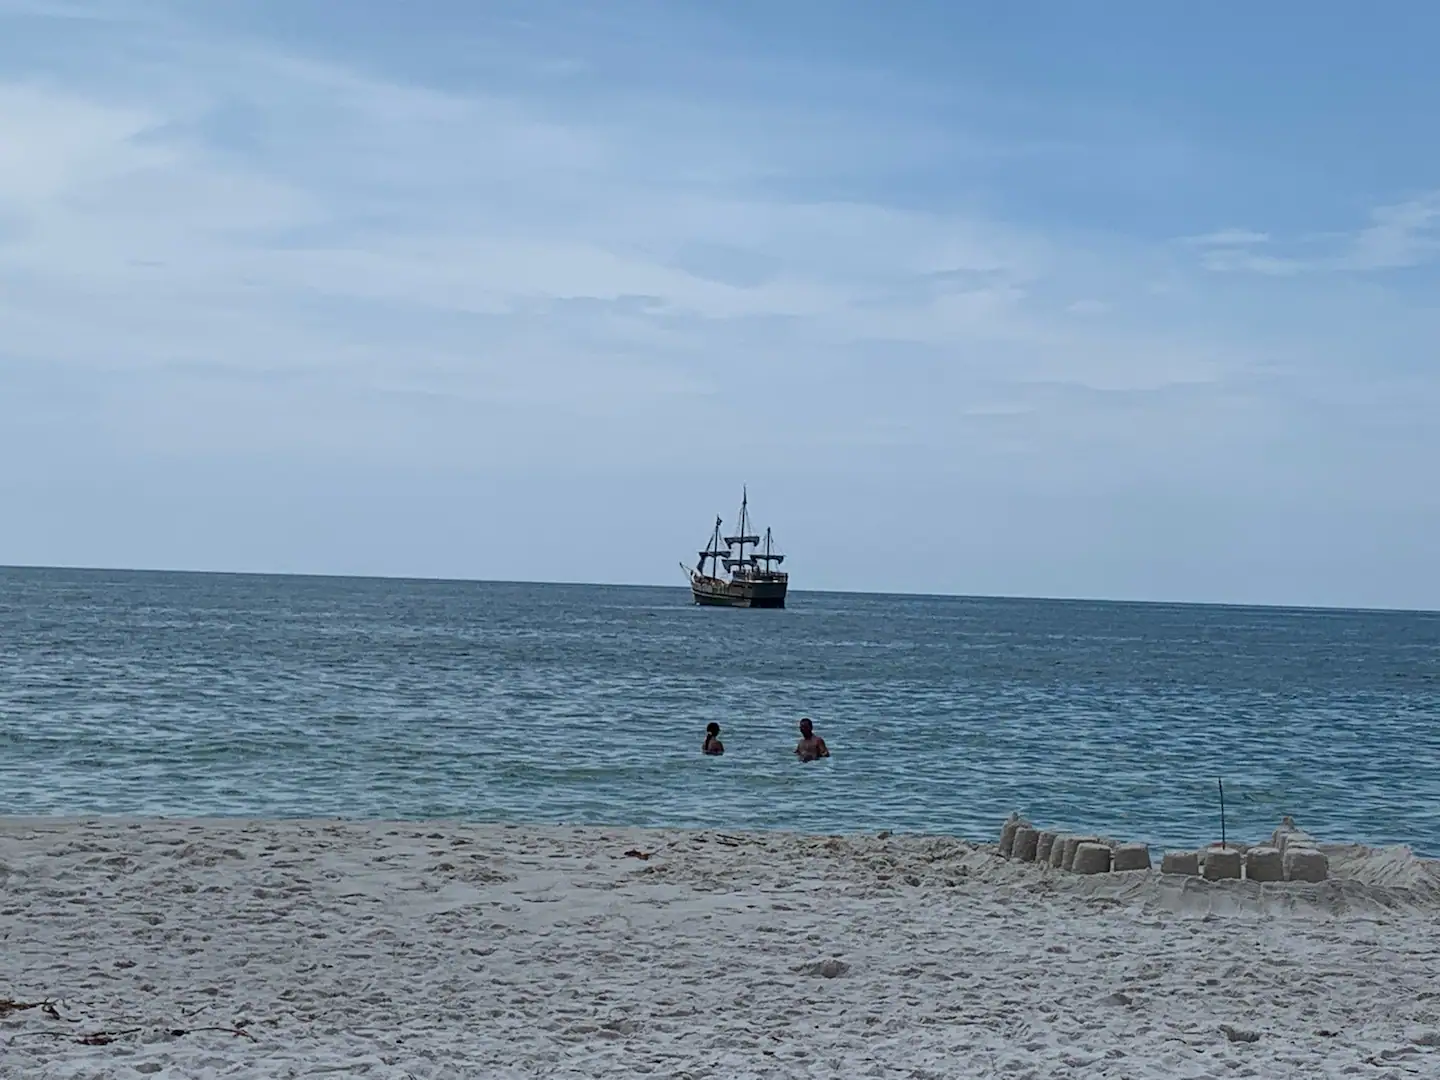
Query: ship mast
[(768, 556), (744, 537), (712, 552), (744, 520)]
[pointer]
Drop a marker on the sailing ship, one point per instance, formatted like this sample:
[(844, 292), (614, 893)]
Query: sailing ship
[(754, 581)]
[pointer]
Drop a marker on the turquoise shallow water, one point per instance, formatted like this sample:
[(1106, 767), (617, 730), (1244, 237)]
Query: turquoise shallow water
[(202, 694)]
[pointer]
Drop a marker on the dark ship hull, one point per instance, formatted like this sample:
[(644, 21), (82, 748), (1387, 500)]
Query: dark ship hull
[(754, 593)]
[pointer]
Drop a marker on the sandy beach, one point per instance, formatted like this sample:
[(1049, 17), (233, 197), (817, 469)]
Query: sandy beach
[(266, 949)]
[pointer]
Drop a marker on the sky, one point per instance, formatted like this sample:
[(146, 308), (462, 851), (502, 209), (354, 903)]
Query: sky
[(1126, 301)]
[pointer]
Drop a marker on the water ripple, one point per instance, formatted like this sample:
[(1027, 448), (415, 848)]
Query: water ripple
[(228, 694)]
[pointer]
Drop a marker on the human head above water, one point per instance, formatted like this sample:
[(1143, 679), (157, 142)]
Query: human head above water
[(712, 728), (806, 727)]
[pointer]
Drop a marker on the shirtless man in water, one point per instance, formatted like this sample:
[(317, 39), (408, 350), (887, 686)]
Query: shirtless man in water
[(810, 746)]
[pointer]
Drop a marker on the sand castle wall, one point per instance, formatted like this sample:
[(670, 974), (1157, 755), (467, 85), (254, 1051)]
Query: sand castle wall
[(1290, 855)]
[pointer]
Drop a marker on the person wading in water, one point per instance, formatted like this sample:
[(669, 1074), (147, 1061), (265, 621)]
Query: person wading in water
[(712, 744), (810, 746)]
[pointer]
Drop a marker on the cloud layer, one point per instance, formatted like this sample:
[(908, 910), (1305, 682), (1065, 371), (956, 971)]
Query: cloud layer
[(233, 253)]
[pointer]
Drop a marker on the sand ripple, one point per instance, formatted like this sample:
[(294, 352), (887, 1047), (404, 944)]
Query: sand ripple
[(428, 950)]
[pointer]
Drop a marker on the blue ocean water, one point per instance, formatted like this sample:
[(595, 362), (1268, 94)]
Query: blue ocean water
[(210, 694)]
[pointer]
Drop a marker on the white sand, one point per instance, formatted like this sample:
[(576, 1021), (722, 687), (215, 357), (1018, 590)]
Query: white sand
[(411, 950)]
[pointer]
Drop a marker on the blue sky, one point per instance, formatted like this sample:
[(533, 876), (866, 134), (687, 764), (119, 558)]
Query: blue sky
[(1125, 300)]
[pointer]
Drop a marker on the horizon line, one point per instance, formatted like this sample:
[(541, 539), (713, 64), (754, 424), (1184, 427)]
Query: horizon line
[(442, 580)]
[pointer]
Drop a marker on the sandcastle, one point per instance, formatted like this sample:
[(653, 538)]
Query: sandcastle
[(1027, 842), (1007, 834), (1043, 846), (1091, 858), (1291, 854), (1080, 853), (1221, 864), (1072, 845), (1264, 863), (1131, 857), (1057, 850), (1181, 862)]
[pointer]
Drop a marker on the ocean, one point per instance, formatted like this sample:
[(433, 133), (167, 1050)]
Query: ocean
[(220, 694)]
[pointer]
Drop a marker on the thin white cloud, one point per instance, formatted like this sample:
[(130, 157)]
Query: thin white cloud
[(1228, 238), (52, 143), (1399, 235), (1246, 260)]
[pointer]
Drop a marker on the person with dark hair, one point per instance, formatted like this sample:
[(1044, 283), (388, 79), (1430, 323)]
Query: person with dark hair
[(810, 746), (712, 744)]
